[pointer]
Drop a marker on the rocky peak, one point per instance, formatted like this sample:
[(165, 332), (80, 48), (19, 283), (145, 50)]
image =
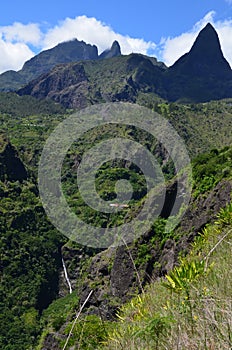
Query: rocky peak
[(114, 51), (205, 57), (66, 52), (115, 48)]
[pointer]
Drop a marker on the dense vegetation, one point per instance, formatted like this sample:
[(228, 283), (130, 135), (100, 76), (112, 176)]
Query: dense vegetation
[(185, 301), (188, 302), (31, 247), (30, 260)]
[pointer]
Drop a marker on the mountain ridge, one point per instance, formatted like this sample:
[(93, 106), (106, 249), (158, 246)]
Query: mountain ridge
[(65, 52), (201, 75)]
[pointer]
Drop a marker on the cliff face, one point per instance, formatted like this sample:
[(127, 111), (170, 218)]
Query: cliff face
[(76, 85), (111, 273), (60, 85)]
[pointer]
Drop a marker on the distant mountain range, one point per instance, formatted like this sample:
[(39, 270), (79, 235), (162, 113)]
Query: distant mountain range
[(66, 52), (73, 74)]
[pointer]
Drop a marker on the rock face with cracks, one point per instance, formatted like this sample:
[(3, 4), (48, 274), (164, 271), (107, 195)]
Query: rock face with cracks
[(111, 273)]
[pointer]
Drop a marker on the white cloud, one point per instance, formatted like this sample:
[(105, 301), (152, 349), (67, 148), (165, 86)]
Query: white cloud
[(95, 32), (224, 30), (18, 41), (13, 55), (18, 32), (173, 48), (14, 44)]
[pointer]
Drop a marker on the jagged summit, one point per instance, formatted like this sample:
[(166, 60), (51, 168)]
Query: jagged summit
[(205, 56), (114, 51), (65, 52)]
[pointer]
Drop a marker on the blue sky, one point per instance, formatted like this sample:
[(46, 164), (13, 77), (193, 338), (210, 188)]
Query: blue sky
[(165, 29)]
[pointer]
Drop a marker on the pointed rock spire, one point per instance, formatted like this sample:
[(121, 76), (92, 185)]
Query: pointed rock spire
[(205, 56), (114, 51), (115, 48)]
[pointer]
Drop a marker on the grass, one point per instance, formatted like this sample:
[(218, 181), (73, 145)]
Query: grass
[(192, 307)]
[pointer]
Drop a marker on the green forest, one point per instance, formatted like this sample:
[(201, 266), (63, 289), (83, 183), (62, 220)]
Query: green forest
[(185, 307)]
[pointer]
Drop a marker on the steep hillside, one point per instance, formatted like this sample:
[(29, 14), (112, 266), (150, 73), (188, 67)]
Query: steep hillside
[(190, 309), (116, 274), (46, 277), (32, 249), (28, 122), (80, 84)]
